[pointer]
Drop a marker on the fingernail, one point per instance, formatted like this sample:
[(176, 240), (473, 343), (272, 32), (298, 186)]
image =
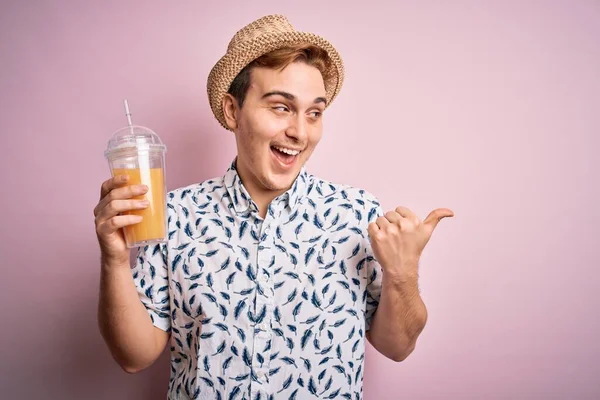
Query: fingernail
[(144, 203), (124, 178)]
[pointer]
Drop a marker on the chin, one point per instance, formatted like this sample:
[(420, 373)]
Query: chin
[(279, 182)]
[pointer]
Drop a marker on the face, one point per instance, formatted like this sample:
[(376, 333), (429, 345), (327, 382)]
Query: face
[(278, 127)]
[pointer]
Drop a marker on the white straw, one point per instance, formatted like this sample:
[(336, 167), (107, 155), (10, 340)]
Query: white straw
[(127, 113)]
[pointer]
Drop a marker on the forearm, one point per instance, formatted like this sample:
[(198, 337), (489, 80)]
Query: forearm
[(400, 318), (124, 322)]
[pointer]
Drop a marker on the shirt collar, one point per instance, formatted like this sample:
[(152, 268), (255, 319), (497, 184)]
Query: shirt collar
[(242, 202)]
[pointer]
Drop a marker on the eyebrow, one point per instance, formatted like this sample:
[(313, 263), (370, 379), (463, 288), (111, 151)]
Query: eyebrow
[(291, 97)]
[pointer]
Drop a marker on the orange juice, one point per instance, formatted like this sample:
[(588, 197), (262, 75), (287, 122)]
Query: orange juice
[(153, 225)]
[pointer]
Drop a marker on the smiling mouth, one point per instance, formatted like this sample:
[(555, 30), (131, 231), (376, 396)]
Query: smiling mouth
[(284, 155)]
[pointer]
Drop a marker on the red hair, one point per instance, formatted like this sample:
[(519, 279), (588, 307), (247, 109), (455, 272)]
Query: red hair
[(279, 59)]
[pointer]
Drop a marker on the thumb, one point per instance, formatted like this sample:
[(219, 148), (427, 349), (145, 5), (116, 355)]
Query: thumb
[(436, 216)]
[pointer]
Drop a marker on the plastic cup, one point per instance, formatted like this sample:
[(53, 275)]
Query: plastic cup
[(139, 153)]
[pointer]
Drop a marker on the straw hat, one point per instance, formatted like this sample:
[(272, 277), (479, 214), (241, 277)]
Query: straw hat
[(256, 39)]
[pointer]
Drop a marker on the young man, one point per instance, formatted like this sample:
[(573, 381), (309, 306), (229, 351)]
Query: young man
[(272, 278)]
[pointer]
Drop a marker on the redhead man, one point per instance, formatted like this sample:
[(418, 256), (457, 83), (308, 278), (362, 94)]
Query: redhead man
[(272, 278)]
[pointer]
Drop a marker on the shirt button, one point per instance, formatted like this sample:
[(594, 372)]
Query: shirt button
[(264, 278), (260, 375), (263, 327)]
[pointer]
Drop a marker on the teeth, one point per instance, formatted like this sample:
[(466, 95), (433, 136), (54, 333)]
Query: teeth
[(287, 151)]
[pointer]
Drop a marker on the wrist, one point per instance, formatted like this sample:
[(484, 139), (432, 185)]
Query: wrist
[(111, 264), (400, 279), (403, 272)]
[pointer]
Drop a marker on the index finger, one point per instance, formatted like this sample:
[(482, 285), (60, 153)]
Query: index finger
[(112, 183), (407, 213)]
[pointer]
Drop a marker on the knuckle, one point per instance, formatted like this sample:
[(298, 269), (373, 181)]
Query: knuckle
[(100, 228), (110, 196), (111, 207), (113, 223)]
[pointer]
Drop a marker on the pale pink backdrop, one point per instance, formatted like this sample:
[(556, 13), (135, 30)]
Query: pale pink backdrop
[(490, 108)]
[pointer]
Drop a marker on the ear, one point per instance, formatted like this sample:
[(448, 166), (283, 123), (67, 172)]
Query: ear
[(230, 111)]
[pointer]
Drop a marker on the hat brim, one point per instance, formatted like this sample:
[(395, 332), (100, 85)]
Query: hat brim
[(232, 63)]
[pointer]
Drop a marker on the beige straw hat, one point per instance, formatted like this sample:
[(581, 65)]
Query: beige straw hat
[(260, 37)]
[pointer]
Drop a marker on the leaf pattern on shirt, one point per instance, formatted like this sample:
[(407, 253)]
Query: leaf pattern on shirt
[(264, 309)]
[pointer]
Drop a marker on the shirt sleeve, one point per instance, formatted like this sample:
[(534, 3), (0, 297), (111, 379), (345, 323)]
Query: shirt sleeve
[(150, 274), (374, 271)]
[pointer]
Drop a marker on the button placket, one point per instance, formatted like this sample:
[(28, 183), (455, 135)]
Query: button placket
[(262, 332)]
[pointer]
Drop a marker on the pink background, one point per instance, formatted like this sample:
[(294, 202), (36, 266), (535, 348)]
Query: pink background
[(489, 108)]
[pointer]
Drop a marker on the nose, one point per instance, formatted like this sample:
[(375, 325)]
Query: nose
[(297, 128)]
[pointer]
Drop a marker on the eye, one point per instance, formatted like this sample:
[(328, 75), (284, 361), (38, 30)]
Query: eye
[(316, 114), (281, 108)]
